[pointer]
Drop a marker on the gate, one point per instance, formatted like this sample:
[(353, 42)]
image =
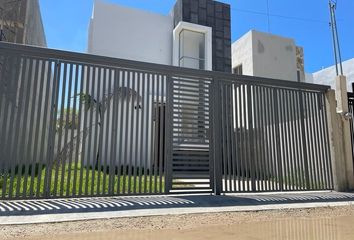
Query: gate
[(273, 137), (74, 125), (190, 160)]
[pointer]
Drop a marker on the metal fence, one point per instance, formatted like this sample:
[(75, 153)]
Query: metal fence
[(76, 125), (274, 138)]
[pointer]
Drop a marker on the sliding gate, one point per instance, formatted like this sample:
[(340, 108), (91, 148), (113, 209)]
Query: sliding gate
[(273, 137), (247, 135)]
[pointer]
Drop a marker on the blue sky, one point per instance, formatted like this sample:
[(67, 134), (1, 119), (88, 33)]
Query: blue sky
[(307, 21)]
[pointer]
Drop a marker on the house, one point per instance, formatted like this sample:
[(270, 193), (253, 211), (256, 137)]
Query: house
[(267, 55), (328, 75), (195, 34), (21, 22)]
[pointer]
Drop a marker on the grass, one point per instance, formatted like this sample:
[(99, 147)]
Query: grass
[(299, 181), (94, 182)]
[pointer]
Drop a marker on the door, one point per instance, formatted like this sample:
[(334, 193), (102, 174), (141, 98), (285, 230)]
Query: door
[(189, 156)]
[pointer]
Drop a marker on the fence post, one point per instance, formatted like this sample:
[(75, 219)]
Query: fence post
[(343, 109), (336, 142), (169, 134), (216, 138), (251, 141), (341, 96), (52, 129), (304, 142), (277, 139)]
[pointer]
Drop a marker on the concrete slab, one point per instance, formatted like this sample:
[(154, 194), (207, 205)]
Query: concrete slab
[(61, 210)]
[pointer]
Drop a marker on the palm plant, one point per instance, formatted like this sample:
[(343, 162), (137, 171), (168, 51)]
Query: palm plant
[(92, 103)]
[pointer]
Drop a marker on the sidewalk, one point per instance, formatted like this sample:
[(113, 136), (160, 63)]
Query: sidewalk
[(61, 210)]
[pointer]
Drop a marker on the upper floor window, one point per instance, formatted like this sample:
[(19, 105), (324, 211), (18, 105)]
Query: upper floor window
[(192, 49)]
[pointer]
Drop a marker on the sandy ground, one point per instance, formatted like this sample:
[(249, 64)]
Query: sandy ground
[(173, 222)]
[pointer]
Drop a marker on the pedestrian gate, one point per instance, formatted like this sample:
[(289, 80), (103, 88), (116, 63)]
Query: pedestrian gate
[(190, 160)]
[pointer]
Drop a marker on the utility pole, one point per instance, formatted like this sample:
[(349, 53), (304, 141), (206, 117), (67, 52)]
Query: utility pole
[(268, 16), (345, 178), (336, 45)]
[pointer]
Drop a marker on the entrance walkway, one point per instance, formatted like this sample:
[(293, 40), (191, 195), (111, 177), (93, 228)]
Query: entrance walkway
[(58, 210)]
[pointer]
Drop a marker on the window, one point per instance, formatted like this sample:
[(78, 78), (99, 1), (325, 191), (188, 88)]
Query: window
[(192, 49), (298, 73), (238, 70)]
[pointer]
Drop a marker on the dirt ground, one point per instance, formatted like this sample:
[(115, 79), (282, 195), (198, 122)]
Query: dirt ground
[(171, 222)]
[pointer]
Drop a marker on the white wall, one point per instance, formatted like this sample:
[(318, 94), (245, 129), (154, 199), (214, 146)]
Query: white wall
[(132, 34), (265, 55), (242, 54), (327, 76), (274, 56)]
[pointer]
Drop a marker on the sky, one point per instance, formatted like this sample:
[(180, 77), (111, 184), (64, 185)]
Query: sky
[(306, 21)]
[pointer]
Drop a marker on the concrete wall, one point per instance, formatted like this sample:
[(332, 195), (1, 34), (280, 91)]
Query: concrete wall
[(34, 31), (274, 57), (23, 22), (133, 34), (270, 56), (327, 76), (242, 54)]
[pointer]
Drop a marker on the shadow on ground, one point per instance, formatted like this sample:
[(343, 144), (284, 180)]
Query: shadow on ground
[(79, 205)]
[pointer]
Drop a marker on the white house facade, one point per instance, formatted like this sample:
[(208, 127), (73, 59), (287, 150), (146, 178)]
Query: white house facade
[(196, 34), (267, 55), (327, 76)]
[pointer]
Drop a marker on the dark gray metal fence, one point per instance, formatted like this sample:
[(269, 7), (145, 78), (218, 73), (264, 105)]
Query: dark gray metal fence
[(72, 127), (82, 125), (274, 138)]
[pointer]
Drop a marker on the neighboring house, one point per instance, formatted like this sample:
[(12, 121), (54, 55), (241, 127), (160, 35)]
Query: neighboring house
[(21, 22), (267, 55), (327, 76)]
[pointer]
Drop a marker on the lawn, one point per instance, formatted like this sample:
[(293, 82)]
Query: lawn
[(93, 182)]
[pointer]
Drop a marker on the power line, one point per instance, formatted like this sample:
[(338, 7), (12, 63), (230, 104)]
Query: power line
[(280, 16)]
